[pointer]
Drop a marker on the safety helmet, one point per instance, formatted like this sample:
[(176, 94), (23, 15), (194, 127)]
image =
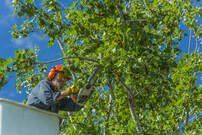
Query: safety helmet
[(64, 73)]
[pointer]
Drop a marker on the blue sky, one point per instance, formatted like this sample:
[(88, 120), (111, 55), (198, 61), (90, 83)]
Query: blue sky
[(8, 46)]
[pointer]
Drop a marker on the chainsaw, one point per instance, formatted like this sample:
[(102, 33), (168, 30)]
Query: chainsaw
[(88, 89)]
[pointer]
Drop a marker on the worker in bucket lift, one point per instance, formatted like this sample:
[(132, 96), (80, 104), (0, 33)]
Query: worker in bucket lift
[(48, 94)]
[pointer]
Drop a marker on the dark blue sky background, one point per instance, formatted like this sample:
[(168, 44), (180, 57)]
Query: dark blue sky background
[(8, 45)]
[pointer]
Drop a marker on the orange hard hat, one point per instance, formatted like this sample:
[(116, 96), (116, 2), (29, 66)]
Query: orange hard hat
[(64, 73)]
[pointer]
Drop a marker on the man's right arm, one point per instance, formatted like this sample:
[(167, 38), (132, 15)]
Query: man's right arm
[(63, 94)]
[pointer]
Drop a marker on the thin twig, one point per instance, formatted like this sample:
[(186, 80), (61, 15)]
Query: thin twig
[(189, 45), (121, 13), (145, 3), (70, 118), (128, 6), (69, 57), (60, 44), (196, 46)]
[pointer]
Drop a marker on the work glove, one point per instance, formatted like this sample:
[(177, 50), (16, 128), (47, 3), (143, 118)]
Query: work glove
[(74, 89), (71, 90)]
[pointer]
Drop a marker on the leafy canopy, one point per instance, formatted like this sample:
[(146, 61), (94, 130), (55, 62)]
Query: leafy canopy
[(141, 88)]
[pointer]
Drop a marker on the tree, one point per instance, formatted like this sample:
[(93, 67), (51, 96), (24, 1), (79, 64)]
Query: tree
[(141, 88)]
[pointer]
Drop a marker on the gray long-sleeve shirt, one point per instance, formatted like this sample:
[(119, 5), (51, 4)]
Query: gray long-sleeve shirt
[(44, 97)]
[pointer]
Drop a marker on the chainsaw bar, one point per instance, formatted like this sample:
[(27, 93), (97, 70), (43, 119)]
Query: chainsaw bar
[(88, 89)]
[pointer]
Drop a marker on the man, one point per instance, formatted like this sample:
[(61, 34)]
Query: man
[(47, 95)]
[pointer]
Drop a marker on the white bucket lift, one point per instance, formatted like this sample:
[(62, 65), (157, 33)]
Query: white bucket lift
[(19, 119)]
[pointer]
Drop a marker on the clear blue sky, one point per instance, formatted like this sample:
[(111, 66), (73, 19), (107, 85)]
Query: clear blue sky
[(8, 45)]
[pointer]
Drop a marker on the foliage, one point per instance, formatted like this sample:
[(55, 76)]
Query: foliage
[(141, 89), (3, 70), (28, 71)]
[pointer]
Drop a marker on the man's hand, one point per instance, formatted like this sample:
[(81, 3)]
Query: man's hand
[(71, 90), (68, 91), (74, 89)]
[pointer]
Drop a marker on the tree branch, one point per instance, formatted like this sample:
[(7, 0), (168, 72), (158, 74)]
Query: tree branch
[(110, 108), (196, 46), (131, 102)]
